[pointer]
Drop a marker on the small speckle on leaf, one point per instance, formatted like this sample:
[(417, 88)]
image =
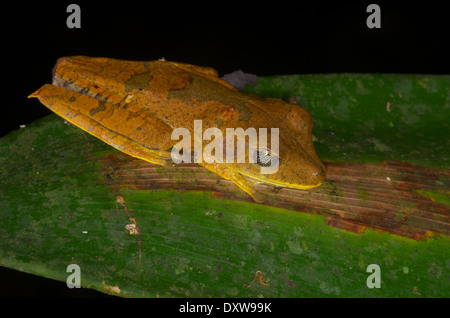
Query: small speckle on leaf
[(131, 228), (388, 106), (111, 289), (120, 199)]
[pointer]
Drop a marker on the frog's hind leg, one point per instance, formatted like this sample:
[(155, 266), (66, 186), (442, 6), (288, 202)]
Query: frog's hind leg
[(139, 134), (237, 178)]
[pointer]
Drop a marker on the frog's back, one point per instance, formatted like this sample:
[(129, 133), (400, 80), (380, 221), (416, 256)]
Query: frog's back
[(179, 96)]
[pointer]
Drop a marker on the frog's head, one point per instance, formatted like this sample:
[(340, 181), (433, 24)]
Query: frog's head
[(286, 161)]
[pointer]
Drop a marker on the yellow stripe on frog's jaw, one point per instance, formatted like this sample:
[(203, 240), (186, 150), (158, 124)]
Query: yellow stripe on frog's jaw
[(283, 184)]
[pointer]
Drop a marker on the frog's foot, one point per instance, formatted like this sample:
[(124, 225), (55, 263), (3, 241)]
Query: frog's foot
[(258, 197), (235, 177)]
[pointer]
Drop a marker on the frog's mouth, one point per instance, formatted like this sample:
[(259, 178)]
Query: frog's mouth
[(252, 179)]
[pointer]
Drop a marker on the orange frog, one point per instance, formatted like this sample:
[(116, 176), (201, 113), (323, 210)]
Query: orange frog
[(135, 107)]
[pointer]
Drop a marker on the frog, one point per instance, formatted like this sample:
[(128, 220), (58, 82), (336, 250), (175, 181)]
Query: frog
[(134, 106)]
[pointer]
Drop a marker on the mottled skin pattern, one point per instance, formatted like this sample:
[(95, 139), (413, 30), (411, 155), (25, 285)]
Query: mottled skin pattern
[(134, 106)]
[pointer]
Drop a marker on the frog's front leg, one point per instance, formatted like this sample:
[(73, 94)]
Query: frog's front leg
[(236, 178)]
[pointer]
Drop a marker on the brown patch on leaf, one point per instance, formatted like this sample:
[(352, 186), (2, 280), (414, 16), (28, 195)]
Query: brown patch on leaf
[(354, 196), (289, 282), (344, 224)]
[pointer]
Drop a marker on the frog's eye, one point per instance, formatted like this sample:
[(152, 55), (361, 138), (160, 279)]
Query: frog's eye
[(265, 158)]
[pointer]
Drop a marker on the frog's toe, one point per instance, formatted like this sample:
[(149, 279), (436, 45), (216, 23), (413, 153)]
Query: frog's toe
[(258, 197)]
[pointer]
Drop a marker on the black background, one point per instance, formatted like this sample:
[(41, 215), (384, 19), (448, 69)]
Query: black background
[(261, 37)]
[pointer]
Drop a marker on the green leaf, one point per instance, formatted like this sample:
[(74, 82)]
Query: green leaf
[(372, 117), (67, 199)]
